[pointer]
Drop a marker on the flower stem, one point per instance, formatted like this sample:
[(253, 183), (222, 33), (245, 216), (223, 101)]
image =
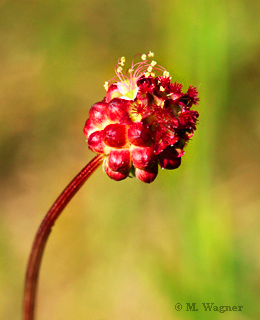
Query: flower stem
[(44, 230)]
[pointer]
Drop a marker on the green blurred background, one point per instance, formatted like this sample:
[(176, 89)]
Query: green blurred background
[(127, 250)]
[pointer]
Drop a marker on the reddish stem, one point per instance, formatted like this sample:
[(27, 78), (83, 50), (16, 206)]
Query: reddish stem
[(44, 230)]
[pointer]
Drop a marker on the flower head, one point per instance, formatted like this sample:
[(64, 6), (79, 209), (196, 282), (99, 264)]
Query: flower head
[(144, 121)]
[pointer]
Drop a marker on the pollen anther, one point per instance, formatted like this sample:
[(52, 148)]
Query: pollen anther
[(166, 74), (106, 85), (149, 69)]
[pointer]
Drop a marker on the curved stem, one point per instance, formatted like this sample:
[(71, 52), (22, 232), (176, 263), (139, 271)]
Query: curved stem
[(44, 231)]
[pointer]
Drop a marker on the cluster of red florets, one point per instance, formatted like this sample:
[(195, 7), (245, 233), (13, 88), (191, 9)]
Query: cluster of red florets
[(144, 121)]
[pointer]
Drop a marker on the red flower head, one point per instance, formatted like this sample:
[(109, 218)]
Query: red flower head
[(144, 121)]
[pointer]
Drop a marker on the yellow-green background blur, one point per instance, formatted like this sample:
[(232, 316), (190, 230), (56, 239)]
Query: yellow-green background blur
[(126, 250)]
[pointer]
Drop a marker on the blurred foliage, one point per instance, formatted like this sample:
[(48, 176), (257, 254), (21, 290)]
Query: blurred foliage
[(128, 250)]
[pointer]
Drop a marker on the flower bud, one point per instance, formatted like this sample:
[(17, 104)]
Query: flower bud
[(98, 114), (119, 160), (89, 128), (113, 174), (96, 142), (143, 157), (139, 134), (117, 110), (147, 175), (115, 135), (169, 158)]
